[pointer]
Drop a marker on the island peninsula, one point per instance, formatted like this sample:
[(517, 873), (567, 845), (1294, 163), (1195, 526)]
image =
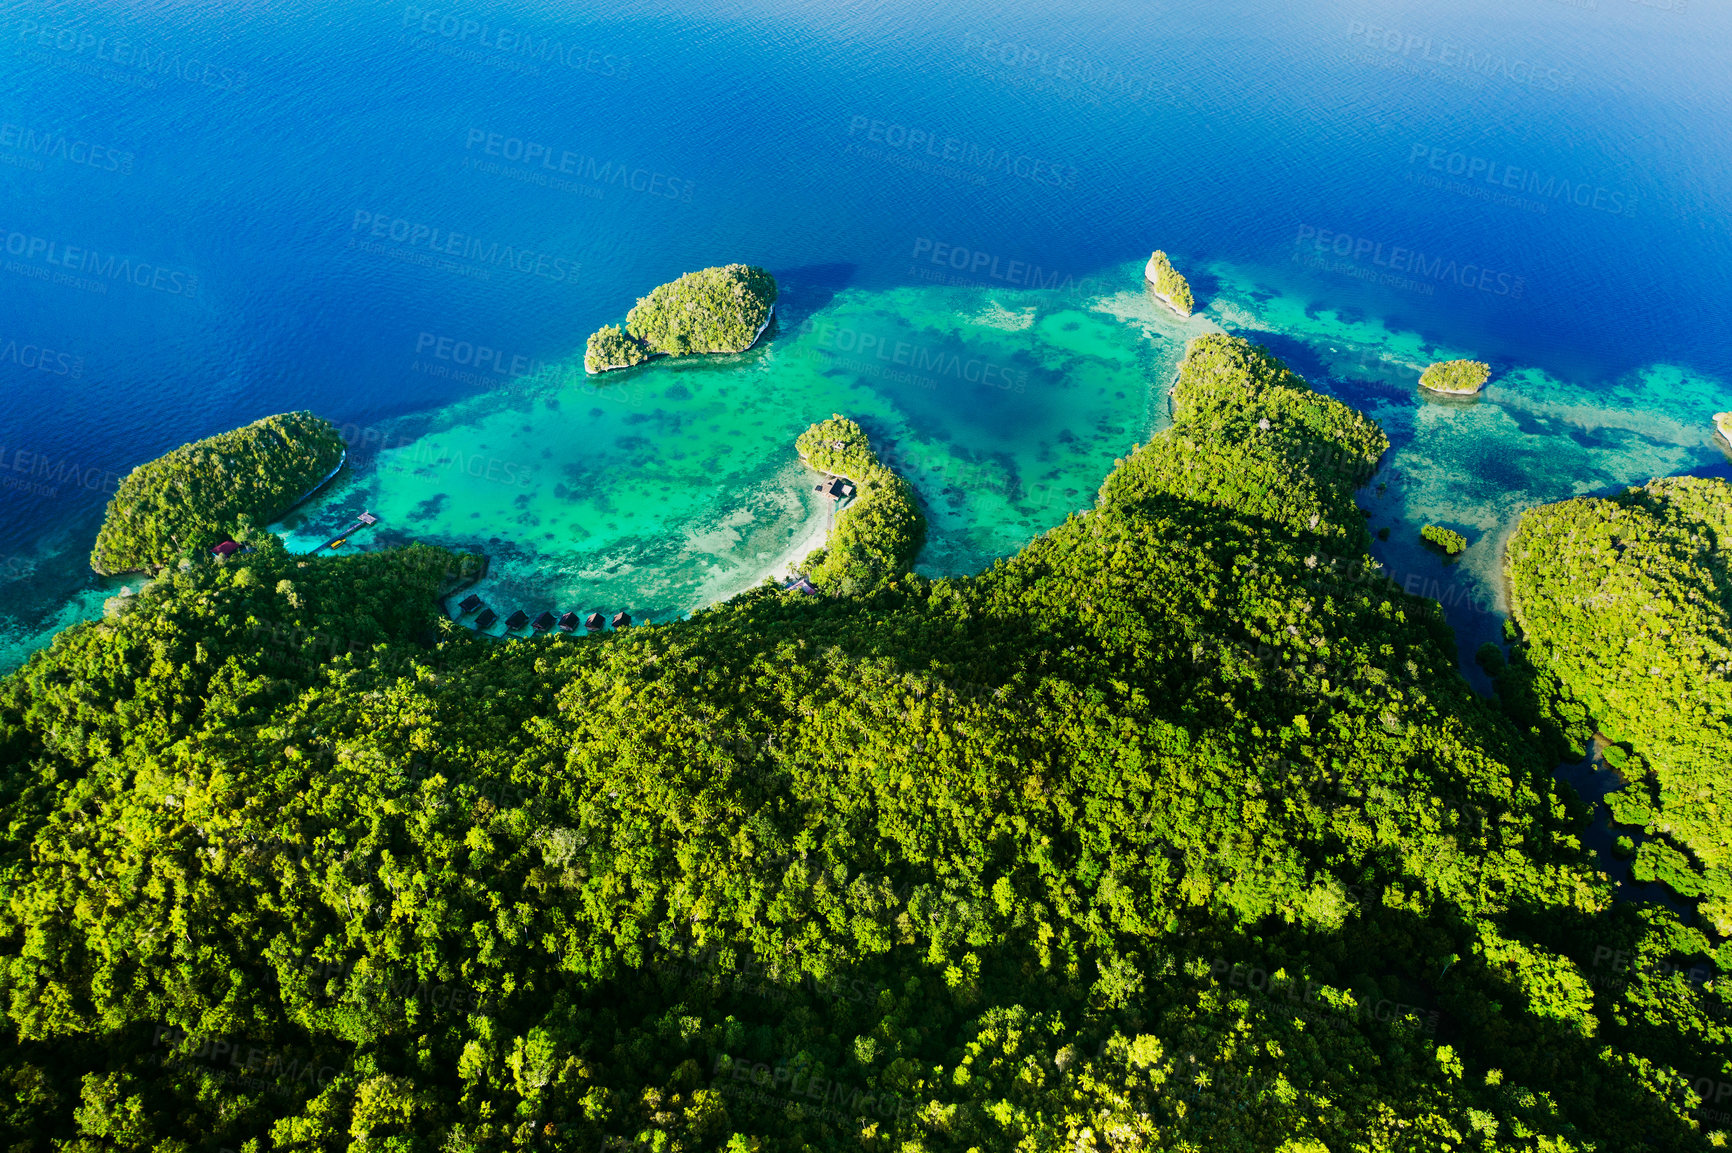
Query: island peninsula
[(1179, 827), (876, 538), (195, 496)]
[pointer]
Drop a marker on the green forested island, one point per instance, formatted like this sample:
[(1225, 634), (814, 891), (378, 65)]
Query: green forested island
[(1625, 613), (721, 309), (1179, 830), (1169, 285), (609, 348), (1446, 539), (1455, 377), (877, 536), (195, 496)]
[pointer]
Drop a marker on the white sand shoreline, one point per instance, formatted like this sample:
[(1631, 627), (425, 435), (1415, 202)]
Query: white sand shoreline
[(813, 534), (810, 534)]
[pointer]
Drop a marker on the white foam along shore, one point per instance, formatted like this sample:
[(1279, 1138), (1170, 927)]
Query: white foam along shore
[(1164, 299)]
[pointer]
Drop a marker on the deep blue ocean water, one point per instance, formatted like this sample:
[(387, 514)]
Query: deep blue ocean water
[(213, 215)]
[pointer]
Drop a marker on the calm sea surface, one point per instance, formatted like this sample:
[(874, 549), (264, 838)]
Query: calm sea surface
[(407, 219)]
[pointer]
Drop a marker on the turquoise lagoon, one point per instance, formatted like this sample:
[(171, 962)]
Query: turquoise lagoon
[(1472, 464), (663, 489), (1219, 135), (675, 485)]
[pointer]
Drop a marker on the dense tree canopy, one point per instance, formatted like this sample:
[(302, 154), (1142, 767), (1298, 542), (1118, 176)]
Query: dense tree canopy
[(1179, 830), (1455, 376), (1170, 283), (878, 533), (1626, 605), (720, 309), (610, 348), (1446, 539), (198, 494)]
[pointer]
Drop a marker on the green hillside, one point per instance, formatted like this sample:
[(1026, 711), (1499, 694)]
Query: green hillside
[(1178, 830), (1625, 606), (198, 494)]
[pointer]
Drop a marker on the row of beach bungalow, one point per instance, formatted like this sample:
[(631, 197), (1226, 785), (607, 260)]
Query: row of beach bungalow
[(519, 620)]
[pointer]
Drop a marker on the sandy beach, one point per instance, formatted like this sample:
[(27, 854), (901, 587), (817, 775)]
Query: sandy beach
[(812, 535)]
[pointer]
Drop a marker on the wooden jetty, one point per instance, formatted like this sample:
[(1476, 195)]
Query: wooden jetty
[(365, 520)]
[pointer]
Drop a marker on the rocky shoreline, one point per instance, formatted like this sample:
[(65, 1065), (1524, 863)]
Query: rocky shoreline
[(1165, 299), (1152, 270)]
